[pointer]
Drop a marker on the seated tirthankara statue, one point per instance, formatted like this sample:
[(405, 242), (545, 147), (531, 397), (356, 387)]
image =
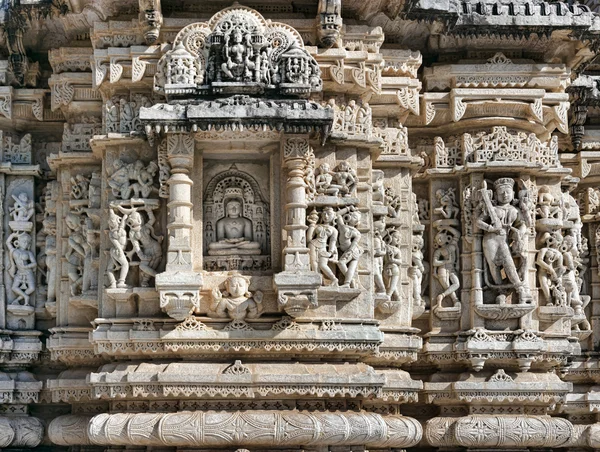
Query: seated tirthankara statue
[(234, 233)]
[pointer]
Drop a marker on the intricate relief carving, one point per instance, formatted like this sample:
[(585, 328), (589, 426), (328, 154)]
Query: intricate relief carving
[(237, 51), (352, 121), (236, 302)]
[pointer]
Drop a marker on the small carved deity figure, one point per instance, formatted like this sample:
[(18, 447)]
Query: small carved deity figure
[(119, 180), (445, 264), (80, 186), (378, 187), (393, 260), (322, 243), (118, 260), (448, 206), (504, 229), (345, 178), (364, 120), (234, 233), (236, 303), (238, 55), (309, 176), (145, 243), (570, 283), (550, 268), (379, 252), (49, 228), (547, 206), (324, 181), (127, 116), (417, 270), (145, 180), (76, 254), (21, 267), (393, 203), (349, 243), (111, 118), (23, 208)]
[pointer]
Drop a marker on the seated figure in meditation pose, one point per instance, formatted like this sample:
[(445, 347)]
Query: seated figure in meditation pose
[(234, 233)]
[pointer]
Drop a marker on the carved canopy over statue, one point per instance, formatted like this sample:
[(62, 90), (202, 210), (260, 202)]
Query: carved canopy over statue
[(237, 52)]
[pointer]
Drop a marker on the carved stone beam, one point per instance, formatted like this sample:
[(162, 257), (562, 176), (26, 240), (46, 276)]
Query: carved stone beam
[(261, 428), (297, 284), (178, 285), (151, 19)]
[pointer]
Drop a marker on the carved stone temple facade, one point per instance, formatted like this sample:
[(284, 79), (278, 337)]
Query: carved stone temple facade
[(313, 225)]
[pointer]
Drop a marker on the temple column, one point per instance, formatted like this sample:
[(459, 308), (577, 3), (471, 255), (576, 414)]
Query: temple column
[(297, 284), (178, 285)]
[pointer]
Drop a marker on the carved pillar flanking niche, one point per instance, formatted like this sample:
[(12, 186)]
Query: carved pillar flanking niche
[(179, 286), (297, 284)]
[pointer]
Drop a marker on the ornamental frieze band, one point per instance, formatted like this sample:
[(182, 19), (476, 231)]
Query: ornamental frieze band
[(320, 226)]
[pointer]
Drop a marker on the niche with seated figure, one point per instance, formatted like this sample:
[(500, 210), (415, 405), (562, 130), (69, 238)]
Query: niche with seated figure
[(236, 217)]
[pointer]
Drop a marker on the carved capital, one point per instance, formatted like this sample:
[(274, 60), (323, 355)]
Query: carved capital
[(179, 293)]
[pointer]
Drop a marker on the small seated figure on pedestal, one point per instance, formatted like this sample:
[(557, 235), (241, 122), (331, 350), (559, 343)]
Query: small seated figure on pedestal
[(234, 233)]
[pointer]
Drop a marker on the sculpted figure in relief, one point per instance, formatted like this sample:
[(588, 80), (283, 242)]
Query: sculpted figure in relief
[(23, 208), (393, 260), (324, 181), (234, 233), (349, 243), (379, 252), (145, 243), (117, 258), (236, 303), (21, 267), (551, 269), (417, 270), (120, 181), (445, 264), (322, 242), (504, 229), (77, 252)]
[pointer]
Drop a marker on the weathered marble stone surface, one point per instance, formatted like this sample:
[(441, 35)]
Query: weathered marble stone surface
[(336, 225)]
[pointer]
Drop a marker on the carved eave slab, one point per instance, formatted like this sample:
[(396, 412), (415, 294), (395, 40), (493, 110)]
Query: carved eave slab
[(70, 59), (583, 371), (196, 338), (499, 388), (73, 94), (122, 67), (71, 346), (19, 348), (239, 112), (578, 402), (585, 164), (19, 387), (70, 386), (64, 159)]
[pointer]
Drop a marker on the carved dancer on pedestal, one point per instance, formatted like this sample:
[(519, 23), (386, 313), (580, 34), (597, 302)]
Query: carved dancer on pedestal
[(349, 244), (417, 270), (445, 264), (236, 303), (117, 258), (234, 233), (322, 243), (393, 260), (551, 269), (21, 266), (504, 229), (76, 255), (146, 244), (379, 252)]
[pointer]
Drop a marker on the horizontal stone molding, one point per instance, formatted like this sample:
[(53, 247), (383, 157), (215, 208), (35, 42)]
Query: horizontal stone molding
[(239, 428)]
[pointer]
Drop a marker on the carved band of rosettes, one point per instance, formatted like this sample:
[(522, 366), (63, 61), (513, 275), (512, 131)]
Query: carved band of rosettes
[(242, 428)]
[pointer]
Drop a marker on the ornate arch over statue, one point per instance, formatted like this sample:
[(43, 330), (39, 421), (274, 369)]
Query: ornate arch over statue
[(237, 52)]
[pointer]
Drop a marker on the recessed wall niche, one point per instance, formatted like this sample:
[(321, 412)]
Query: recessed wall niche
[(236, 216)]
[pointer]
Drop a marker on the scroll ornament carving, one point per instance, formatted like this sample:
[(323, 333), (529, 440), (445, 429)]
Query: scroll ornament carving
[(259, 428), (20, 432), (237, 52)]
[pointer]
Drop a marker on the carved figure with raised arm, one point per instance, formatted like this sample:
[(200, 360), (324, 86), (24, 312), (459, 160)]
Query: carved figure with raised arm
[(504, 228), (550, 268), (23, 208), (236, 303), (322, 243), (417, 270), (349, 244), (234, 233), (21, 267), (445, 264), (324, 181), (393, 260), (117, 258), (379, 252), (77, 252)]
